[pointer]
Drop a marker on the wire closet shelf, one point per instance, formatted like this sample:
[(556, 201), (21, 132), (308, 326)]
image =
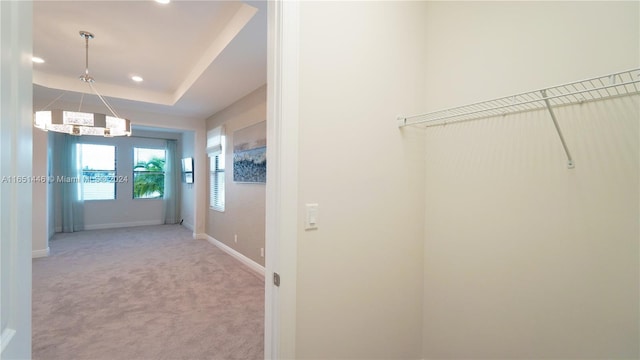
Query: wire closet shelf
[(602, 87)]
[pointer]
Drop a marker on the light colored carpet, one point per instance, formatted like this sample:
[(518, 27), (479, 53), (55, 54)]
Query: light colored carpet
[(147, 292)]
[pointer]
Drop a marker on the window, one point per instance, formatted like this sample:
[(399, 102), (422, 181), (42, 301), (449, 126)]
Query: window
[(216, 182), (215, 150), (148, 173), (98, 171)]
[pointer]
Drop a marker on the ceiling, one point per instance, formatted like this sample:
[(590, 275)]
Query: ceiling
[(196, 57)]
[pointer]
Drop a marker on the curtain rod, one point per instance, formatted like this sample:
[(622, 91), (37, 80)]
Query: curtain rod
[(131, 136), (150, 137)]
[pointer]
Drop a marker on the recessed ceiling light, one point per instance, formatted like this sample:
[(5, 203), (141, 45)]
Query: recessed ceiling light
[(136, 78), (163, 1), (37, 60)]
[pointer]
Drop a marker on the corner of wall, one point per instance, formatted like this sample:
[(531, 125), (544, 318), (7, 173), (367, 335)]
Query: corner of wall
[(40, 253)]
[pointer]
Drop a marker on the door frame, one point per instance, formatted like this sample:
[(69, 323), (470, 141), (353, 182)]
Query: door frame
[(16, 115), (281, 231)]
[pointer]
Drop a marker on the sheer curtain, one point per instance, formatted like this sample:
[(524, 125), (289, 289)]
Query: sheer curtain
[(171, 196), (71, 184)]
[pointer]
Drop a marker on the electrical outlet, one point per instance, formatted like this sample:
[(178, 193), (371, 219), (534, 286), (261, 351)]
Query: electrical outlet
[(261, 252), (235, 238)]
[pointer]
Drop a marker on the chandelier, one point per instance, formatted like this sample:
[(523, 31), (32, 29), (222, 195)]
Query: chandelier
[(83, 123)]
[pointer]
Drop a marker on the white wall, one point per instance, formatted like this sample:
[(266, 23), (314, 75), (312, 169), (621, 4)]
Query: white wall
[(15, 196), (523, 257), (51, 195), (359, 278), (40, 229), (244, 213), (187, 206)]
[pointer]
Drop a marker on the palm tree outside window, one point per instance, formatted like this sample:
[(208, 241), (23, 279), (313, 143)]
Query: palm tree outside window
[(148, 173)]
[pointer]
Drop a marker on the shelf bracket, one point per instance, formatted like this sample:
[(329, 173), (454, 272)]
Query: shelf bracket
[(570, 163), (402, 120)]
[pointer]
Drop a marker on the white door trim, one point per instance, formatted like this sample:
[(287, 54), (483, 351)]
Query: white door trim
[(16, 129), (282, 179)]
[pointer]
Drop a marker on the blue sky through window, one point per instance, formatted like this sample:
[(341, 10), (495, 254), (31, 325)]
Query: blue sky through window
[(98, 157)]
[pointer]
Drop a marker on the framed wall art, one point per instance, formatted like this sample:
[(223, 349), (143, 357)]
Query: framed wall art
[(250, 154)]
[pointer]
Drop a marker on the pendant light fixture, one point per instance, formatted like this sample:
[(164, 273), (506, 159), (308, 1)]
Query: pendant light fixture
[(83, 123)]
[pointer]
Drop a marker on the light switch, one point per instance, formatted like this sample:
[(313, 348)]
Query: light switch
[(311, 218)]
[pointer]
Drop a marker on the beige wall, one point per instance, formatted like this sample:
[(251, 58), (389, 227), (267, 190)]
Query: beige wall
[(359, 285), (523, 257), (244, 213), (479, 50)]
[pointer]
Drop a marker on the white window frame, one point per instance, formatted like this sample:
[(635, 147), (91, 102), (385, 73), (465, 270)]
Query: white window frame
[(83, 179)]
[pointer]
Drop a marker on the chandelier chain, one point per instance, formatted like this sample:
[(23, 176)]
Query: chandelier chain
[(52, 102), (86, 56), (81, 99), (104, 101)]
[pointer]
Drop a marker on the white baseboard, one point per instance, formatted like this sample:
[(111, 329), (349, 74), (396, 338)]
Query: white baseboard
[(187, 225), (123, 225), (40, 253), (199, 236), (243, 259)]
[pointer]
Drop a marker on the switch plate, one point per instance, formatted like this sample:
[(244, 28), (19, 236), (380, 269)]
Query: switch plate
[(311, 217)]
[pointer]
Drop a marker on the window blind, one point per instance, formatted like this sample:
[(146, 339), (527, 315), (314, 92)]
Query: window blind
[(216, 152), (216, 183), (215, 139)]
